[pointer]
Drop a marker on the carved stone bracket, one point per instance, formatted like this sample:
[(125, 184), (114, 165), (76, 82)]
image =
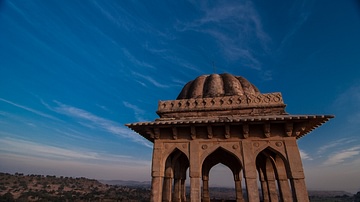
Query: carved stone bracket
[(267, 130), (209, 131), (300, 127), (157, 133), (289, 129), (227, 131), (175, 133), (193, 132), (150, 133), (246, 130)]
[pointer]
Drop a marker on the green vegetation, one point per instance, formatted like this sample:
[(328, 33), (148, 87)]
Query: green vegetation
[(23, 188)]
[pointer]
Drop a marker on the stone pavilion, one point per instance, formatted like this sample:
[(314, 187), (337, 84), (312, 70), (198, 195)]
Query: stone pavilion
[(222, 118)]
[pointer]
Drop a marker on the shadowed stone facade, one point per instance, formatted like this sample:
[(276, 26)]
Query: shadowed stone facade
[(222, 118)]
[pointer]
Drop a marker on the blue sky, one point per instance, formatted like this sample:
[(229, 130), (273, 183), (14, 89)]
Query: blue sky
[(73, 72)]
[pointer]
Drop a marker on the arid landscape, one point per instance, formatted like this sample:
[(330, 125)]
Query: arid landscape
[(19, 187), (22, 188)]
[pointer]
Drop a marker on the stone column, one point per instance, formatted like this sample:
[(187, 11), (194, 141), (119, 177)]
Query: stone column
[(157, 173), (183, 190), (271, 183), (195, 193), (205, 192), (238, 189), (284, 186), (156, 188), (177, 190), (299, 187), (176, 196), (250, 172), (272, 190), (195, 172), (296, 171), (264, 187), (167, 189), (285, 191)]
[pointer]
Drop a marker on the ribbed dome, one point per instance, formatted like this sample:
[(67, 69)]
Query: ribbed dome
[(217, 85)]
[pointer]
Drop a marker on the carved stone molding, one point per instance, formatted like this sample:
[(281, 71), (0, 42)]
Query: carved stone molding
[(221, 103)]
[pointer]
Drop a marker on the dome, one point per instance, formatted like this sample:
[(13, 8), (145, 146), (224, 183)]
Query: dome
[(217, 85)]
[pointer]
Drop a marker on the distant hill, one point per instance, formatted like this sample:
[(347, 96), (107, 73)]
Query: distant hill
[(20, 187), (127, 183), (329, 193)]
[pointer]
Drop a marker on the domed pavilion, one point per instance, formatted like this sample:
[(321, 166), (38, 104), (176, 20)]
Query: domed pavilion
[(222, 118)]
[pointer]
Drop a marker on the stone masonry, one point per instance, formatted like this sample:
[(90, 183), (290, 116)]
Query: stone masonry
[(222, 118)]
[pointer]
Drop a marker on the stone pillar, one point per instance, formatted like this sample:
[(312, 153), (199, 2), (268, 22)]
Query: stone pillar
[(177, 190), (284, 186), (285, 191), (264, 187), (167, 189), (183, 190), (250, 172), (271, 183), (205, 192), (195, 194), (272, 190), (157, 173), (238, 189), (299, 187), (296, 171), (195, 172), (176, 196), (156, 188)]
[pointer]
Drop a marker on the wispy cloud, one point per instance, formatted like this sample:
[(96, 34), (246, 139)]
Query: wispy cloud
[(31, 148), (302, 18), (334, 144), (150, 80), (114, 168), (136, 61), (137, 111), (340, 156), (36, 150), (99, 122), (173, 58), (29, 109), (305, 156), (241, 16), (350, 97)]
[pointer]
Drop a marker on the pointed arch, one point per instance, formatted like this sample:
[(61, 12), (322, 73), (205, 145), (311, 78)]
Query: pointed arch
[(211, 150), (176, 165), (273, 147), (273, 169), (230, 160), (168, 151)]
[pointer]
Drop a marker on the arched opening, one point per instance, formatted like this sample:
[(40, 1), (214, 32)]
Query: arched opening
[(174, 187), (273, 176), (221, 183), (222, 156)]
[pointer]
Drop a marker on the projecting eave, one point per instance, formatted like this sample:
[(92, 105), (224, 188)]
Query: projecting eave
[(306, 123)]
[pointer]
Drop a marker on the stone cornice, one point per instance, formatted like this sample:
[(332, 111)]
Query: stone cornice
[(292, 125), (172, 108)]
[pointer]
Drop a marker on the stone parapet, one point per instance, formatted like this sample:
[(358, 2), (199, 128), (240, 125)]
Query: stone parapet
[(269, 100)]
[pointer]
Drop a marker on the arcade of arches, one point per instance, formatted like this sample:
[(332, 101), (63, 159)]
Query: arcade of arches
[(221, 118)]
